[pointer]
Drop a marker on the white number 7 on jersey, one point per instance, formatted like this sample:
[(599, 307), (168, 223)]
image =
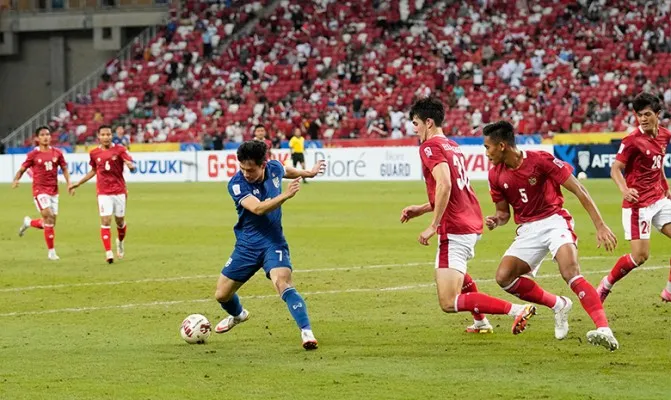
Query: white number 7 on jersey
[(279, 252), (523, 194)]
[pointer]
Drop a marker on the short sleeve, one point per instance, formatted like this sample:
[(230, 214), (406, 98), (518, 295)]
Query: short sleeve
[(276, 167), (125, 155), (30, 159), (61, 161), (92, 162), (239, 190), (624, 153), (494, 188), (431, 154), (555, 169)]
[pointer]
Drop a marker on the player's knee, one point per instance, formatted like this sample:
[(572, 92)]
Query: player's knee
[(570, 271), (504, 278), (119, 221), (105, 221), (222, 296), (447, 304), (640, 257), (49, 219)]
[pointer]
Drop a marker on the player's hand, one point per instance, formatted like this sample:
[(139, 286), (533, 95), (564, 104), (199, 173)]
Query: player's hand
[(631, 195), (605, 238), (293, 187), (410, 212), (319, 168), (491, 222), (131, 166), (426, 235), (71, 190), (15, 184), (668, 194)]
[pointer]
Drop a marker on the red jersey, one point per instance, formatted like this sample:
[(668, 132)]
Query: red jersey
[(44, 165), (109, 164), (534, 188), (269, 145), (463, 214), (643, 157)]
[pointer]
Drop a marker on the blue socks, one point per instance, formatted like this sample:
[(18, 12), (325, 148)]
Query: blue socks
[(297, 307), (233, 306)]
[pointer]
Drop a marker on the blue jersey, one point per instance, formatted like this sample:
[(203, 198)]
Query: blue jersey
[(258, 231)]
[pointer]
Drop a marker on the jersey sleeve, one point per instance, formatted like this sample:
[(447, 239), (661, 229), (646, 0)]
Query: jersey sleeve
[(125, 155), (30, 159), (92, 162), (61, 161), (625, 152), (555, 169), (292, 143), (276, 166), (432, 154), (239, 190), (494, 188)]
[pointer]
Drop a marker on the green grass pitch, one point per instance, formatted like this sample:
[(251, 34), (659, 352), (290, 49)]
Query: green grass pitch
[(81, 329)]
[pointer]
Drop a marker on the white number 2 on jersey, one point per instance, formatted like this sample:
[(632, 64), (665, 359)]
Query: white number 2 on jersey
[(523, 195), (48, 166), (657, 162), (462, 178)]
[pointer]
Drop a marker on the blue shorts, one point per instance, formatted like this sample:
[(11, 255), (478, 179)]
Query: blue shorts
[(244, 262)]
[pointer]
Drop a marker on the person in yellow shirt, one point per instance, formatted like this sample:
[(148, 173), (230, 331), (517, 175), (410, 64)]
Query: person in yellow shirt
[(297, 146)]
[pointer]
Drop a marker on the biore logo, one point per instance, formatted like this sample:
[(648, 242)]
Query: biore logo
[(158, 167), (342, 168)]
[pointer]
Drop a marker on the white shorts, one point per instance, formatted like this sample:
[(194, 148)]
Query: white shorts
[(535, 239), (637, 222), (455, 250), (43, 201), (109, 204)]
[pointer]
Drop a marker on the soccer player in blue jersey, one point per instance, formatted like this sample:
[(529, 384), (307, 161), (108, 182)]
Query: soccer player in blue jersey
[(257, 192)]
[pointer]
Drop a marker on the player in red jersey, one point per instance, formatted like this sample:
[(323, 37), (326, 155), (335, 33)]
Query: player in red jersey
[(260, 135), (457, 219), (647, 199), (530, 181), (107, 164), (44, 161)]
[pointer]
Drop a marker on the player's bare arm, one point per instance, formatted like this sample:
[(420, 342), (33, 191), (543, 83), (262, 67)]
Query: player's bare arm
[(258, 207), (293, 173), (616, 170), (604, 235), (86, 178), (415, 211), (66, 175), (130, 165), (500, 217), (17, 177), (441, 173)]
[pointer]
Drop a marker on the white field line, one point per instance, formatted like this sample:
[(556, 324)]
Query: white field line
[(196, 277), (362, 290)]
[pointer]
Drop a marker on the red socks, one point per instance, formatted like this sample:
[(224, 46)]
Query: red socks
[(590, 300), (528, 290), (106, 236), (621, 268), (49, 236), (121, 232), (469, 286), (481, 303), (37, 223)]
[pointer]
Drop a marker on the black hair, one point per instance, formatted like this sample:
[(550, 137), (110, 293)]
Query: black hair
[(259, 126), (644, 100), (39, 128), (254, 150), (501, 131), (101, 127), (428, 107)]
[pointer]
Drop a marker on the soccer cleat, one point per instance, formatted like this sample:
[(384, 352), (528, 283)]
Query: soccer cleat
[(53, 256), (666, 295), (119, 249), (480, 327), (520, 323), (309, 341), (561, 319), (602, 291), (603, 337), (109, 256), (24, 227), (229, 322)]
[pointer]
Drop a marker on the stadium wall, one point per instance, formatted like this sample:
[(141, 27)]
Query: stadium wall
[(343, 164)]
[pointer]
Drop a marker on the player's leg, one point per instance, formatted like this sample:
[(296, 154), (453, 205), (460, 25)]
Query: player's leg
[(480, 322), (636, 223), (48, 209), (666, 292), (567, 259), (277, 264), (662, 221), (106, 208), (239, 268), (37, 223), (120, 219)]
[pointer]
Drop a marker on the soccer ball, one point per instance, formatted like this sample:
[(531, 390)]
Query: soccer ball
[(195, 329), (582, 175)]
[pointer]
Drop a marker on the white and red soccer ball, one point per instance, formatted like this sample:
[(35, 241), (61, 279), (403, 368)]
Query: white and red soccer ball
[(195, 329)]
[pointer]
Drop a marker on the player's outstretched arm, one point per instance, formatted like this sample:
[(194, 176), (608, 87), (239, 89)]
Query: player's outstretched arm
[(631, 195), (258, 207), (604, 235), (66, 175), (500, 217), (82, 181), (415, 211), (293, 173), (130, 165), (17, 177)]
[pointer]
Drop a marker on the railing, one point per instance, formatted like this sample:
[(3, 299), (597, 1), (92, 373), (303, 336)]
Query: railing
[(25, 131), (40, 6)]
